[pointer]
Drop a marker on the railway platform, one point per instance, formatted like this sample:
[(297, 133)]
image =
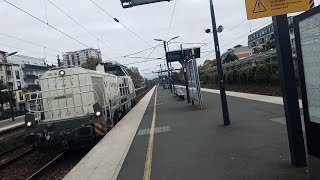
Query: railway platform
[(8, 124), (166, 138)]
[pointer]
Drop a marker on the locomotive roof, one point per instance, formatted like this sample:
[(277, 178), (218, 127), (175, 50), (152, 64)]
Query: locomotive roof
[(71, 71)]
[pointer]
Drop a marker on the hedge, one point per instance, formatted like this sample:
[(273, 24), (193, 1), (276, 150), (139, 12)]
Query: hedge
[(264, 73)]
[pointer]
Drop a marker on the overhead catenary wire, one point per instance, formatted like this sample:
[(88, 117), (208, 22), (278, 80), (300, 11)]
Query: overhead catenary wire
[(92, 34), (171, 19), (142, 58), (62, 11), (53, 27), (35, 44), (116, 20), (238, 38), (40, 20), (14, 47), (140, 51), (143, 62), (25, 50)]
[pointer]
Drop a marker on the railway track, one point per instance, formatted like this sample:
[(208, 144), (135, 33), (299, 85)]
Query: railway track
[(141, 93), (43, 168), (14, 153)]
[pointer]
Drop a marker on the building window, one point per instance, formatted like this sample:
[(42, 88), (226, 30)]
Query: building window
[(21, 97), (19, 85), (2, 78), (17, 75), (291, 31), (0, 67)]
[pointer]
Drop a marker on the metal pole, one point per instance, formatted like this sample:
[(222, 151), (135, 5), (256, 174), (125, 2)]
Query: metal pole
[(174, 88), (224, 103), (10, 99), (185, 75), (289, 91), (169, 76)]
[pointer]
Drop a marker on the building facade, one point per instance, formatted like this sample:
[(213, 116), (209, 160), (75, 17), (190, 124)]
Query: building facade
[(26, 72), (258, 39), (241, 52), (20, 59), (77, 58)]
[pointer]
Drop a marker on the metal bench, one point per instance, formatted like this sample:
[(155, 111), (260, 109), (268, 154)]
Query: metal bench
[(180, 93)]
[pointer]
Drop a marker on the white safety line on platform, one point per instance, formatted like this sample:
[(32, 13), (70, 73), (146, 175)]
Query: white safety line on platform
[(105, 160), (12, 126), (256, 97), (156, 130)]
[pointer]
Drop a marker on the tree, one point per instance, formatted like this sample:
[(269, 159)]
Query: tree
[(230, 57), (135, 75), (178, 77), (91, 63), (4, 96), (237, 46)]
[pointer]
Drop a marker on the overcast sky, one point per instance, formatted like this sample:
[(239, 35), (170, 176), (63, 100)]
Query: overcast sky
[(152, 21)]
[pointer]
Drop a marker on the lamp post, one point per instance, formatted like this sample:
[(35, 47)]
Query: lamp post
[(8, 87), (225, 111), (166, 44)]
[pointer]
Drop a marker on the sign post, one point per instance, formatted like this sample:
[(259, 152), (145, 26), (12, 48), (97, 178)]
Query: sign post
[(279, 10), (224, 103), (289, 91), (187, 58)]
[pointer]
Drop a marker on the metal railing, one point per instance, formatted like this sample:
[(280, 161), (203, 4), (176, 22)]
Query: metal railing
[(39, 101)]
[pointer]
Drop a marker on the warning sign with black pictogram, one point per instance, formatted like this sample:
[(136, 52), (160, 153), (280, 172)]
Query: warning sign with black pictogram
[(259, 7), (265, 8)]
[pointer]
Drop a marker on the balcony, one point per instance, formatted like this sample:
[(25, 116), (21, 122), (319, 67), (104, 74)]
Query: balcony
[(33, 67), (29, 77), (34, 87)]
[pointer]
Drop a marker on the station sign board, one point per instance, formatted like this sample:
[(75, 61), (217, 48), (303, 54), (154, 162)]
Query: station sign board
[(266, 8), (184, 54), (307, 31), (173, 56), (132, 3)]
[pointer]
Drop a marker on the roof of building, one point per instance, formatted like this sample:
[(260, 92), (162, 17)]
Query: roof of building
[(83, 50), (241, 49)]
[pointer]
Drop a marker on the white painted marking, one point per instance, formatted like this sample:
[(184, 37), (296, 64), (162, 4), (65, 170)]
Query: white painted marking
[(105, 160), (157, 104), (13, 126), (256, 97), (156, 130)]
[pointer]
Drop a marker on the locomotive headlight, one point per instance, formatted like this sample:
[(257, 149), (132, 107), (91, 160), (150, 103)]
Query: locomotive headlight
[(98, 113), (29, 119), (29, 124), (97, 110), (62, 73)]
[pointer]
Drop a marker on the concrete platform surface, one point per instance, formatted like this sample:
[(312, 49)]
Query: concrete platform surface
[(256, 97), (189, 144), (105, 159), (8, 124)]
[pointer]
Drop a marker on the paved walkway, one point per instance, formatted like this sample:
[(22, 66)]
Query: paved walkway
[(9, 124), (181, 142)]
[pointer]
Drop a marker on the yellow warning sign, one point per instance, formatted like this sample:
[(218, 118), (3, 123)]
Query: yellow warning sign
[(265, 8), (25, 93)]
